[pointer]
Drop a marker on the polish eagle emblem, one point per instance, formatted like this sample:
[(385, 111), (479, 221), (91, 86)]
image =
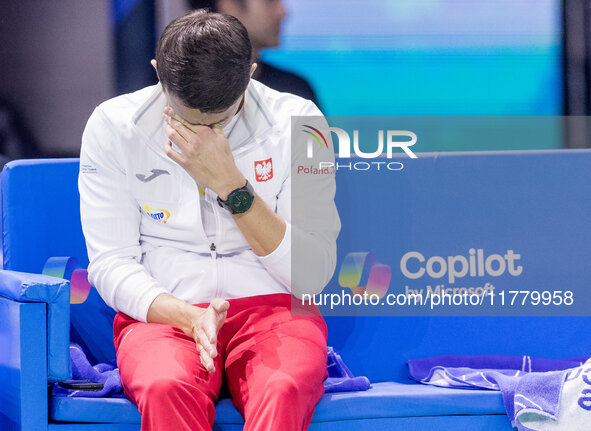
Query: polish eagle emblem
[(263, 169)]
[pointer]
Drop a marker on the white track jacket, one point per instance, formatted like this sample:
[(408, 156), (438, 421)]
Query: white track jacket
[(149, 230)]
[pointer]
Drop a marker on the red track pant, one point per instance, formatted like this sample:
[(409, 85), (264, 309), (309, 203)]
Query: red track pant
[(272, 361)]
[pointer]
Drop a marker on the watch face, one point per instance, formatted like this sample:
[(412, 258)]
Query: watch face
[(240, 200)]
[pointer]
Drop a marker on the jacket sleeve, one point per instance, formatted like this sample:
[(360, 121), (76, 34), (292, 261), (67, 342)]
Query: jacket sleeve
[(110, 221), (305, 259)]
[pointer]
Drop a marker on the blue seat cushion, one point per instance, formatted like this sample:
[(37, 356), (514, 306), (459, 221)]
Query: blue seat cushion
[(383, 400)]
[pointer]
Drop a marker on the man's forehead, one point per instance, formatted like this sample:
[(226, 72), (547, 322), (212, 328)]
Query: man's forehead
[(195, 116)]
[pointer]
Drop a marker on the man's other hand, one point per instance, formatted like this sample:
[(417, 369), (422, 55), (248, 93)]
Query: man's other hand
[(201, 324), (205, 331)]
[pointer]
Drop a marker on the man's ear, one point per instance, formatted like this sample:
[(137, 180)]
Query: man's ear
[(153, 63), (253, 67)]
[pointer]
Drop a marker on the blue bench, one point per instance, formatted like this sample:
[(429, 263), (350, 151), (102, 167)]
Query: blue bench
[(535, 203)]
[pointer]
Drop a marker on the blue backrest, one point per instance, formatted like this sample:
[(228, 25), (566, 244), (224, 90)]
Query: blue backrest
[(535, 203), (41, 220), (41, 213)]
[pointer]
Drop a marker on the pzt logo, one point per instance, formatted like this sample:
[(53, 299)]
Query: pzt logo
[(160, 215), (361, 272), (345, 142), (263, 169)]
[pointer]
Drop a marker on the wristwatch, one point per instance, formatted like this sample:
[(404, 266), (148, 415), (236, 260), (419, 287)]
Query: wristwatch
[(239, 201)]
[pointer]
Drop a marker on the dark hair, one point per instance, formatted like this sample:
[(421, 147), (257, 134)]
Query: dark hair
[(204, 60)]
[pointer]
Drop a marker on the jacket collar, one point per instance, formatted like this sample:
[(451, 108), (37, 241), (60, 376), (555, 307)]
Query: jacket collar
[(253, 121)]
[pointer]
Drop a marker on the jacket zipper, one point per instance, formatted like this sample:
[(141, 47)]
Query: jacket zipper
[(213, 250), (214, 255)]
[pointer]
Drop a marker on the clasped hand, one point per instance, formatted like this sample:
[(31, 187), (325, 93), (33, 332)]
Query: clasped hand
[(205, 331)]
